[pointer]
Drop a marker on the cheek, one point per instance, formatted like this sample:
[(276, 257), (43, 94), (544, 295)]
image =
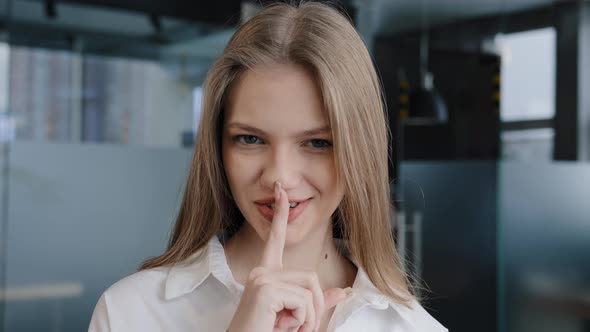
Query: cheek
[(229, 166), (324, 172), (240, 171), (324, 177)]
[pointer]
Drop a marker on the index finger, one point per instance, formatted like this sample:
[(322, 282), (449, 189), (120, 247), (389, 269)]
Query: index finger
[(272, 256)]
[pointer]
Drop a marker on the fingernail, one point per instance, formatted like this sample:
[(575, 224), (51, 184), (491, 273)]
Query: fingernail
[(277, 191), (348, 291)]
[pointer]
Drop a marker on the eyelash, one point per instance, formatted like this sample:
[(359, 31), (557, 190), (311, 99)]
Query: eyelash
[(238, 138)]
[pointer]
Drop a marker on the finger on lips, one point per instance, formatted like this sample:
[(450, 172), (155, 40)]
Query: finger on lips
[(272, 256), (307, 300)]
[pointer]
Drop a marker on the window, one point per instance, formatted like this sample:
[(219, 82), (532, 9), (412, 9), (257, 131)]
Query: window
[(527, 94)]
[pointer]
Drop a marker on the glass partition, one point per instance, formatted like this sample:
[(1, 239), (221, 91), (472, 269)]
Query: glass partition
[(79, 218), (502, 246), (98, 109), (544, 246)]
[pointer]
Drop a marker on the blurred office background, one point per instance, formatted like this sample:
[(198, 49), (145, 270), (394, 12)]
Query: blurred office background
[(488, 102)]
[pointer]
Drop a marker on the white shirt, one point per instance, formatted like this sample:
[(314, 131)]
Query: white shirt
[(201, 294)]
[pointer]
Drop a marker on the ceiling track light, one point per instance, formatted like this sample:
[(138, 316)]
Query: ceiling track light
[(50, 9)]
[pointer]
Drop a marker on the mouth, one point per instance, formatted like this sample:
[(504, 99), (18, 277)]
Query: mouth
[(292, 205), (295, 209)]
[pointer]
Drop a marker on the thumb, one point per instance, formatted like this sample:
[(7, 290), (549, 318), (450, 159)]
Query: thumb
[(333, 296), (287, 322)]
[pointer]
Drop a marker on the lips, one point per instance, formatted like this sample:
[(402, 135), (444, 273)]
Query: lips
[(272, 200), (268, 213)]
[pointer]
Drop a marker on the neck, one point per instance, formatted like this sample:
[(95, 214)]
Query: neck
[(317, 252)]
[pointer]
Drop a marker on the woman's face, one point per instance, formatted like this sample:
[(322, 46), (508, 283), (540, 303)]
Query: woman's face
[(275, 130)]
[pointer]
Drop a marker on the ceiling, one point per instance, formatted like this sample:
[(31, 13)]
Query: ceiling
[(196, 34), (397, 15)]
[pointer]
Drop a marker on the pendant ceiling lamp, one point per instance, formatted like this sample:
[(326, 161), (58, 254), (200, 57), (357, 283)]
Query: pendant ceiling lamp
[(425, 101)]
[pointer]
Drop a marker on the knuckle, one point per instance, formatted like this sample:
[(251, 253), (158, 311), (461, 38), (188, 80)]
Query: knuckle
[(261, 281), (256, 272), (312, 277)]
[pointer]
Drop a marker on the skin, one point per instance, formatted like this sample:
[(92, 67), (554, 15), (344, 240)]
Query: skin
[(292, 272)]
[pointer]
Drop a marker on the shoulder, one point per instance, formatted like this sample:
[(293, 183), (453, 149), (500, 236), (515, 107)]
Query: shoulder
[(420, 319), (146, 283), (153, 285), (392, 317), (127, 298)]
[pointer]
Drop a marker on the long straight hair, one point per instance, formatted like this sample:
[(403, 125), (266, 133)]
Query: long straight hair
[(322, 40)]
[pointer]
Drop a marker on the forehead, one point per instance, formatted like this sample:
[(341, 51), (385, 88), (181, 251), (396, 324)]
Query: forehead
[(278, 95)]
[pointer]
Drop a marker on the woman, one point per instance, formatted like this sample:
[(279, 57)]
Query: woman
[(284, 223)]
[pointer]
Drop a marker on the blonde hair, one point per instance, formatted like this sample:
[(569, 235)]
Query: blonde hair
[(323, 41)]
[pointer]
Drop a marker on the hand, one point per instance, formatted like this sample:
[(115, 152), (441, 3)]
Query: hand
[(275, 299)]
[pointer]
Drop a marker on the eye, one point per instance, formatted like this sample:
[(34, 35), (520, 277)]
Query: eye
[(320, 144), (246, 139)]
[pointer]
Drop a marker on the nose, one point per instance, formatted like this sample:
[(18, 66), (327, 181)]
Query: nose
[(284, 165)]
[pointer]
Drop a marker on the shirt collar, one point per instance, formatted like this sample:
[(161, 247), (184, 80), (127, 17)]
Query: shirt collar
[(184, 277), (371, 295)]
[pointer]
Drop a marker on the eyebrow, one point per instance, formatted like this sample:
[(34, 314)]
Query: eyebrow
[(305, 133)]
